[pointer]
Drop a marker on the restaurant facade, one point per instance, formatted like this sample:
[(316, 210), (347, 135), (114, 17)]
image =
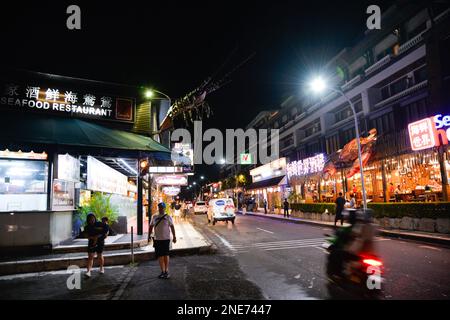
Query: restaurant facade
[(64, 140)]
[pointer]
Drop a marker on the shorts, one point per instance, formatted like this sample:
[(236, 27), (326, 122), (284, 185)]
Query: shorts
[(98, 247), (162, 248)]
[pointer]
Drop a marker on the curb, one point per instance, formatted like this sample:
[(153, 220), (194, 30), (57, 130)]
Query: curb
[(109, 246), (383, 232), (52, 264)]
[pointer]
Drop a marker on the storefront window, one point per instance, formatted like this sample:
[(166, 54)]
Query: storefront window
[(63, 195), (23, 185)]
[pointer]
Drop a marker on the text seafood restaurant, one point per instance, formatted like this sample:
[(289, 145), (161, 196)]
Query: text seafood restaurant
[(67, 144)]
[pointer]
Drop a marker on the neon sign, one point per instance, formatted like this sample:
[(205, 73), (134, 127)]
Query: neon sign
[(306, 166), (429, 132)]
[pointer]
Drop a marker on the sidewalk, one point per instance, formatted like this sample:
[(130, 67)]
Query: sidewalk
[(401, 234), (117, 252)]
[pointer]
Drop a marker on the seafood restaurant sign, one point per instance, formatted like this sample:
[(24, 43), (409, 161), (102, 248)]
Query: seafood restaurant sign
[(72, 102)]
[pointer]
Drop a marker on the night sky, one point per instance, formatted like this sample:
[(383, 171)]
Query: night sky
[(174, 45)]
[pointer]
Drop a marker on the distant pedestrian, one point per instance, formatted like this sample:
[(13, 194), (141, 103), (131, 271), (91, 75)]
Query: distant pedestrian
[(162, 224), (265, 206), (97, 232), (177, 212), (286, 208), (340, 204)]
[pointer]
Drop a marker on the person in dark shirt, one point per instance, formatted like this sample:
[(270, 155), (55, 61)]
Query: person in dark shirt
[(96, 232), (340, 203), (286, 208)]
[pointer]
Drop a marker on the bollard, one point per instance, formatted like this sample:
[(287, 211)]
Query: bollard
[(132, 246)]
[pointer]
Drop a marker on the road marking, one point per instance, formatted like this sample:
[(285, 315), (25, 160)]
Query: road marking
[(279, 243), (322, 249), (265, 230), (429, 247), (293, 247), (124, 284), (224, 241)]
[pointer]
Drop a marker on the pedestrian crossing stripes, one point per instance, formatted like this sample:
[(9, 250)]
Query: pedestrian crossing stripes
[(281, 245), (278, 245)]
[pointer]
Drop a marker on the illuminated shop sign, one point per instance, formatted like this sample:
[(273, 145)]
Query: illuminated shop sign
[(103, 178), (429, 132), (306, 166), (273, 169), (172, 180), (23, 155), (76, 103), (171, 191)]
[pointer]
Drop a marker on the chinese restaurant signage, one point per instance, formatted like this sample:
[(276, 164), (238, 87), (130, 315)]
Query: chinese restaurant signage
[(73, 102), (429, 132), (306, 166)]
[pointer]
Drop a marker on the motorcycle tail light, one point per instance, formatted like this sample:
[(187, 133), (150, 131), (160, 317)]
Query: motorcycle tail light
[(373, 262)]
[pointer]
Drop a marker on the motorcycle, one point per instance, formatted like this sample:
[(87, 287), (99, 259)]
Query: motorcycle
[(360, 275)]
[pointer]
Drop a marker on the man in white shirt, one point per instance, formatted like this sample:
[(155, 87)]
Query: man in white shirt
[(162, 223)]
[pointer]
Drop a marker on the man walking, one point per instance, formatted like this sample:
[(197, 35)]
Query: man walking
[(286, 208), (162, 224), (340, 203), (265, 206)]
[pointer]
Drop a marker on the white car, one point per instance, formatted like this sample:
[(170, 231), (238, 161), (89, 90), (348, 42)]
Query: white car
[(221, 210), (200, 207)]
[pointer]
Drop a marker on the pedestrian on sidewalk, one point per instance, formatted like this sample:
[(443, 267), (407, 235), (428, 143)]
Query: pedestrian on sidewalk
[(97, 232), (286, 208), (265, 206), (162, 223), (340, 204)]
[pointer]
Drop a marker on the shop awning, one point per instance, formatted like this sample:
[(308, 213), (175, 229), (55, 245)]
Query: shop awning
[(266, 183), (31, 129)]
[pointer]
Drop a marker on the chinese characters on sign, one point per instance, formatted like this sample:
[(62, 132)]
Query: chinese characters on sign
[(429, 132), (55, 100), (306, 166)]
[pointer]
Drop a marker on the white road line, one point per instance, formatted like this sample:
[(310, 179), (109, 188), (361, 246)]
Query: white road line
[(224, 241), (429, 247), (322, 249), (265, 230), (280, 243), (293, 247)]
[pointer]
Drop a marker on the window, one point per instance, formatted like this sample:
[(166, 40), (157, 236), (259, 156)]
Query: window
[(384, 124), (398, 86), (416, 111), (332, 144), (347, 136), (314, 148), (347, 112), (420, 75), (23, 185), (284, 119), (312, 128), (287, 141)]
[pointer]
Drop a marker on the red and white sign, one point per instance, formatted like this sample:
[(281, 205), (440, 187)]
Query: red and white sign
[(429, 132)]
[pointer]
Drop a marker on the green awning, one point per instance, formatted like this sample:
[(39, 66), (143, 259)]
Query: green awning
[(16, 128)]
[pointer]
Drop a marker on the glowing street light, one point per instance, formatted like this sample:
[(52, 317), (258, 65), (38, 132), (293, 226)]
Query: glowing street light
[(202, 177), (319, 85)]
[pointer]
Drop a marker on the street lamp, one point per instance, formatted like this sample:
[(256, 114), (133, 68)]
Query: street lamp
[(202, 177), (319, 85)]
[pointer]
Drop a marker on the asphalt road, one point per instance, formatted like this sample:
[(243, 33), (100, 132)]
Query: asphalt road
[(286, 261), (257, 258)]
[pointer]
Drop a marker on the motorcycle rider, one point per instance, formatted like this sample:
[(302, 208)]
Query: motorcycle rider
[(352, 240)]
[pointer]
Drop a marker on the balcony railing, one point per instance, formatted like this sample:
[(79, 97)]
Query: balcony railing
[(378, 65), (404, 93), (411, 43), (351, 83)]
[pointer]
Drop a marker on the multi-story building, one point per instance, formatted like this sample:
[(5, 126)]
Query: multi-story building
[(394, 77)]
